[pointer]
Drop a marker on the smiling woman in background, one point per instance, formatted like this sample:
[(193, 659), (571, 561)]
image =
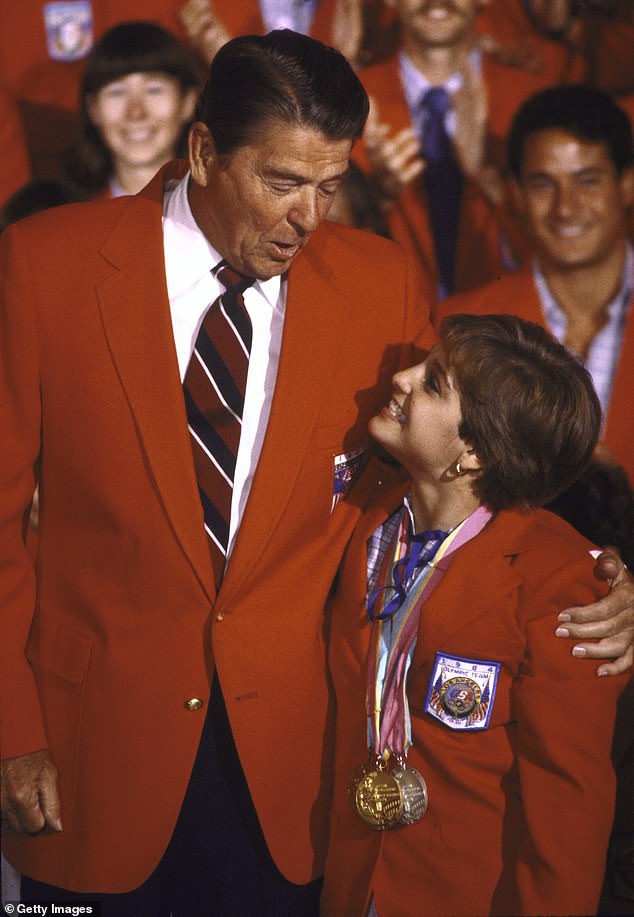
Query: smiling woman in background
[(137, 99)]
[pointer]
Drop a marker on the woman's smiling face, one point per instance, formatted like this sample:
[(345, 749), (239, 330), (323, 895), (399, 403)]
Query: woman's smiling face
[(420, 425)]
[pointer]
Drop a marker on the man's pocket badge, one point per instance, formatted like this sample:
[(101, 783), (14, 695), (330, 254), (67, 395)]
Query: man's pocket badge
[(461, 691)]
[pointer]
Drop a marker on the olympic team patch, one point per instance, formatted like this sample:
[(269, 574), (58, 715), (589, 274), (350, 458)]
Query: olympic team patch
[(461, 691), (347, 468), (69, 29)]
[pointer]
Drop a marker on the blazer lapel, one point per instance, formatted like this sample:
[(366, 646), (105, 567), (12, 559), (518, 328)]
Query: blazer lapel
[(137, 322), (479, 576)]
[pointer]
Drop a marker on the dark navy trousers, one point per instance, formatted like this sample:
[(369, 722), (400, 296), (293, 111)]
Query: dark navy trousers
[(217, 863)]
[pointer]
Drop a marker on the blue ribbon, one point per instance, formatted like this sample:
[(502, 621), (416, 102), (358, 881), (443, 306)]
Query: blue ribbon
[(423, 548)]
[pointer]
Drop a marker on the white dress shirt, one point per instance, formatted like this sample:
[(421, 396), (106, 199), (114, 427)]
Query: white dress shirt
[(191, 288)]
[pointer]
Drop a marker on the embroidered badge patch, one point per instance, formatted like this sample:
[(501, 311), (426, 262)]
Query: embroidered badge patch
[(69, 30), (346, 467), (461, 691)]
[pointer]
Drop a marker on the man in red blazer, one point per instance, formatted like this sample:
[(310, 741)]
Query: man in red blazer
[(113, 672), (572, 160), (440, 52), (124, 661)]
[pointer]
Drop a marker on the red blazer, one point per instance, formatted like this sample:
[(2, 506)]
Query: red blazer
[(507, 22), (489, 238), (26, 66), (47, 89), (519, 812), (120, 624), (517, 294), (603, 55)]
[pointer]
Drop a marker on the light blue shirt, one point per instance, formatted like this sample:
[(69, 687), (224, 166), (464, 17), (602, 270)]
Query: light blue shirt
[(415, 85), (603, 354)]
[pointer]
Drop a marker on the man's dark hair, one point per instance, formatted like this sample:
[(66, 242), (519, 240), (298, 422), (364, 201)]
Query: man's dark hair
[(588, 114), (529, 409), (256, 80)]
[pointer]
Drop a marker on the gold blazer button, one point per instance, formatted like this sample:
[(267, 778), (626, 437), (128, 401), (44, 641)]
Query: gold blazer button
[(194, 703)]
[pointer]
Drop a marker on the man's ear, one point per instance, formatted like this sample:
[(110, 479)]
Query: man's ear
[(626, 182), (201, 153)]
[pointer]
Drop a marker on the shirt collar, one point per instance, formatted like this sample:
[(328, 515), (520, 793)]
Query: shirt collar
[(416, 84), (189, 256), (553, 312)]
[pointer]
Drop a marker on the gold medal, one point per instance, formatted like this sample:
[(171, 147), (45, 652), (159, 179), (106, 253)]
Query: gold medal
[(356, 779), (377, 798), (388, 798), (413, 793)]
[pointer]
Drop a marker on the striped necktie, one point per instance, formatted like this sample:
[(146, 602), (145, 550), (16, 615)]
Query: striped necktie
[(214, 389)]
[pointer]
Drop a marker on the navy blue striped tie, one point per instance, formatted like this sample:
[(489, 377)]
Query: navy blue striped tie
[(443, 182), (214, 389)]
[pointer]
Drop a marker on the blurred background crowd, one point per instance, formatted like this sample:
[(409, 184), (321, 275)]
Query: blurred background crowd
[(498, 153)]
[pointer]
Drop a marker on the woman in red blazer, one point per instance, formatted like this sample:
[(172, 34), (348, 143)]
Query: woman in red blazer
[(137, 99), (489, 787)]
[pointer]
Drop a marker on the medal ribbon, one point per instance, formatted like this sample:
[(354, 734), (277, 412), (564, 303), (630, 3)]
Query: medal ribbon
[(387, 705), (400, 564)]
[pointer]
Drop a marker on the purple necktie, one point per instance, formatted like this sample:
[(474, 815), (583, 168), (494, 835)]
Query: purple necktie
[(443, 182)]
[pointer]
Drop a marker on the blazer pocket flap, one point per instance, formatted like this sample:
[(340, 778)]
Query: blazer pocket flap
[(59, 648)]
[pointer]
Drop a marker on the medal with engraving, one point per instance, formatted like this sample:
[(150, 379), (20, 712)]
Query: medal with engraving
[(378, 799), (413, 793)]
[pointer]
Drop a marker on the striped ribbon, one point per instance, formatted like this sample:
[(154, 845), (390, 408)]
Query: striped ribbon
[(389, 723)]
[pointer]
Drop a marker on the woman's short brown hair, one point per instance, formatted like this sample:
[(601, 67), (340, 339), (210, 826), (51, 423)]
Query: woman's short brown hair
[(529, 409)]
